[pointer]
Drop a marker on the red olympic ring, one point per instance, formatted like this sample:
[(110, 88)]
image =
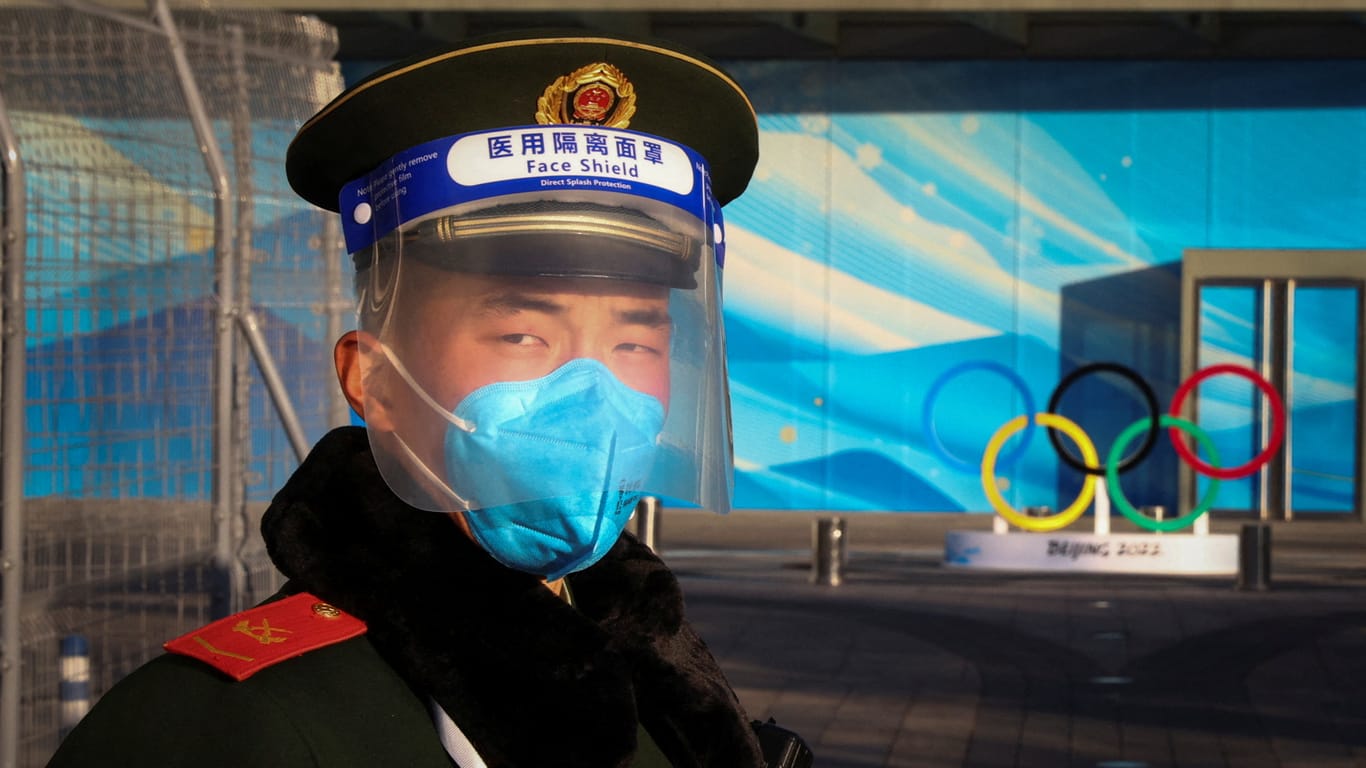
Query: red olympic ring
[(1277, 422)]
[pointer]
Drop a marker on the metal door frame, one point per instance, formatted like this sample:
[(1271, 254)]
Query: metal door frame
[(1206, 266)]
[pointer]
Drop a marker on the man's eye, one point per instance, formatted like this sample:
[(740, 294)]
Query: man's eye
[(636, 349), (521, 339)]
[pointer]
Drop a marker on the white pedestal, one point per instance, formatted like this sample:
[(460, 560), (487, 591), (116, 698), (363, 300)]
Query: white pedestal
[(1177, 554)]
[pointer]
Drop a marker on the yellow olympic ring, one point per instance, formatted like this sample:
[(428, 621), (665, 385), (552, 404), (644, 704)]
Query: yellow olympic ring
[(1088, 487)]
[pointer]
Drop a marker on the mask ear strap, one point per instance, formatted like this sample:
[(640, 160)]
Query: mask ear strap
[(430, 475), (454, 420), (403, 373)]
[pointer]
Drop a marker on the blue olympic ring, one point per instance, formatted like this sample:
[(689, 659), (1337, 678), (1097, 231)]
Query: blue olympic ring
[(927, 412)]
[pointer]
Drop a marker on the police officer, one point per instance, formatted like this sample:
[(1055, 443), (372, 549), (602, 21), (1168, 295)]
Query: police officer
[(536, 227)]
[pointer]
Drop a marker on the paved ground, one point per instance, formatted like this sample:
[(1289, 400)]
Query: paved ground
[(911, 663)]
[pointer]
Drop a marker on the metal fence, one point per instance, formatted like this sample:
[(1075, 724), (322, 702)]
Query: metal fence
[(169, 307)]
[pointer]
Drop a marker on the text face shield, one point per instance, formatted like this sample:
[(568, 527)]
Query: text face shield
[(540, 320)]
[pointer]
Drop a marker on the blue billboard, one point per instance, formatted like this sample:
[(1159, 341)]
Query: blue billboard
[(926, 250)]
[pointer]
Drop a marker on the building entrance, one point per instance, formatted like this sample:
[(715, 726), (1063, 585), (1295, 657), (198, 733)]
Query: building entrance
[(1296, 318)]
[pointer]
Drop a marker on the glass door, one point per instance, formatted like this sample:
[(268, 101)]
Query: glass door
[(1304, 336), (1233, 330), (1323, 399)]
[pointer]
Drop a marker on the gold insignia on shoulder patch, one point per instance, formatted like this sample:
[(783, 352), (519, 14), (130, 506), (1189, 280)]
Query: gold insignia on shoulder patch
[(597, 94)]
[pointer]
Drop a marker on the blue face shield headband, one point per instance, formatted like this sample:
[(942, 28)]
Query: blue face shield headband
[(565, 163)]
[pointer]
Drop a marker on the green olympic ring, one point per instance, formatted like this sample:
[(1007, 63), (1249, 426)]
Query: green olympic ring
[(1117, 494)]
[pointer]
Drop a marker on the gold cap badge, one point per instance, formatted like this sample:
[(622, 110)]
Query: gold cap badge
[(598, 94)]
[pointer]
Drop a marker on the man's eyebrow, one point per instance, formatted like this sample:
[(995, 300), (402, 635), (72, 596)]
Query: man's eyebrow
[(650, 317), (511, 302)]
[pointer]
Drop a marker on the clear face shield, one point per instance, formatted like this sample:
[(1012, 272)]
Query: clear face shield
[(540, 333)]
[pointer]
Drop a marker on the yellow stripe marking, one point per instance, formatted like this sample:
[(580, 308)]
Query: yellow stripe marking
[(220, 651)]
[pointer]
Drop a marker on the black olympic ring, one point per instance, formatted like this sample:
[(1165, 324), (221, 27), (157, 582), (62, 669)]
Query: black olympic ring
[(1154, 413)]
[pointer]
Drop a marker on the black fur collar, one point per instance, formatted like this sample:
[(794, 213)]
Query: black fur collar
[(530, 680)]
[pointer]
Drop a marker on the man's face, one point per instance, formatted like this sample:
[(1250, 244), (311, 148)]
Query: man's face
[(459, 332)]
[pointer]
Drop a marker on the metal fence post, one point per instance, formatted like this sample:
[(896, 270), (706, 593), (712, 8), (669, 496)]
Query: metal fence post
[(230, 576), (247, 319), (13, 346)]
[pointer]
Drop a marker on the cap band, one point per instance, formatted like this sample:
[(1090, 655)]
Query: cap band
[(534, 159)]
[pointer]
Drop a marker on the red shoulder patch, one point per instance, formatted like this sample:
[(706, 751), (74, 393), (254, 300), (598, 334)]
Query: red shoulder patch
[(245, 643)]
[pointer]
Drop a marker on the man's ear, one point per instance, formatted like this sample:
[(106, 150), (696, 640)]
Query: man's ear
[(354, 354)]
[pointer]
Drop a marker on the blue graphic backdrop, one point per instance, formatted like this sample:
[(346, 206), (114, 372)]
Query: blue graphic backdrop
[(907, 217)]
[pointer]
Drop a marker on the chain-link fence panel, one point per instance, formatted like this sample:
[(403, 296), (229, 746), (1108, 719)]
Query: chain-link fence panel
[(124, 276)]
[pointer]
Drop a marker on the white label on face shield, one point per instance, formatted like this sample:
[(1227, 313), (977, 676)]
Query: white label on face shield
[(571, 157), (549, 161)]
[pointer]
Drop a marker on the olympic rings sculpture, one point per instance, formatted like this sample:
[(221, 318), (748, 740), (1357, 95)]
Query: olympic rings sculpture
[(1115, 462)]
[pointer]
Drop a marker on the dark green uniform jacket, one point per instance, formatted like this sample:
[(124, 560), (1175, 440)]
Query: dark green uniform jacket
[(531, 681)]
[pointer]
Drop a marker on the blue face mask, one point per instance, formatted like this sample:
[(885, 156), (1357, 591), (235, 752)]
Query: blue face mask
[(553, 466)]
